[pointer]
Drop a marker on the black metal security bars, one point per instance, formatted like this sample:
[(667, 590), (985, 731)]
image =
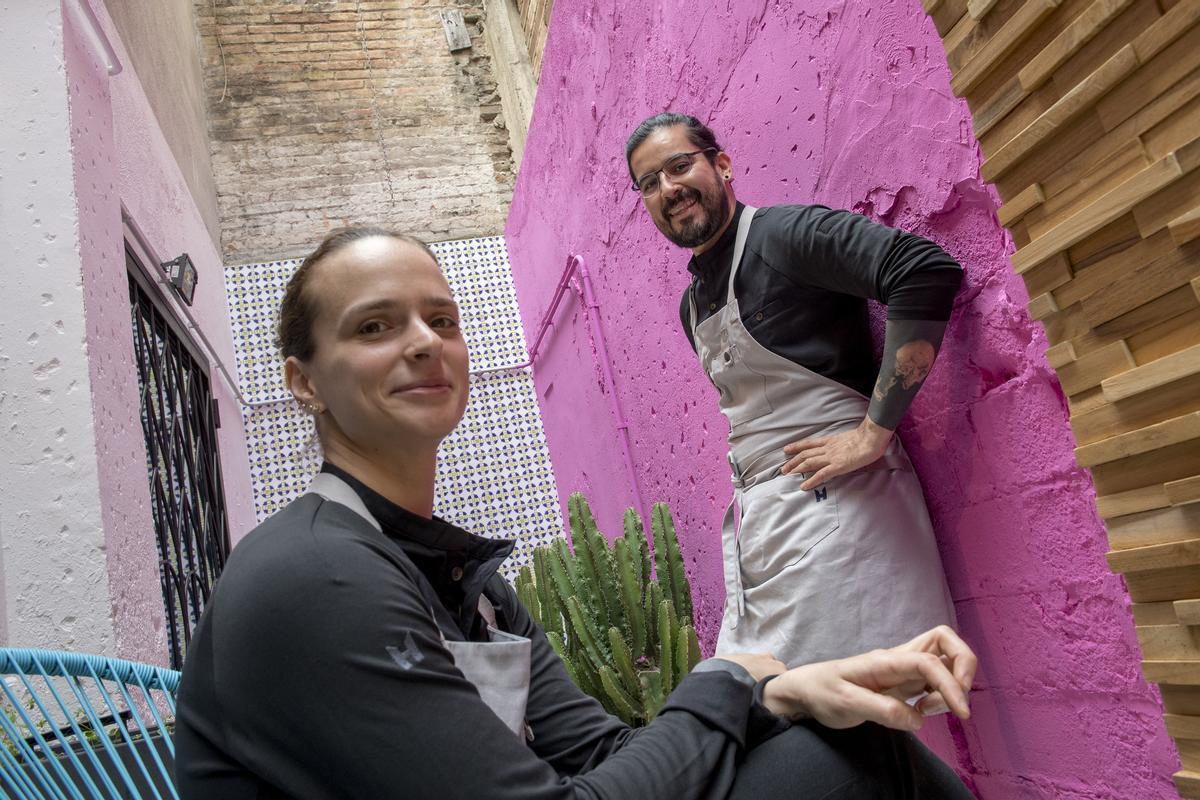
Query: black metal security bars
[(183, 465)]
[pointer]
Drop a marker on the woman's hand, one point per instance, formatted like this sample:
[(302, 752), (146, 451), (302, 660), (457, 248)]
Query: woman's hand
[(835, 455), (872, 686)]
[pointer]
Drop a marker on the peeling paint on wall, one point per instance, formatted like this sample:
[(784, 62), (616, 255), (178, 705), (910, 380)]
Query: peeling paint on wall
[(846, 104)]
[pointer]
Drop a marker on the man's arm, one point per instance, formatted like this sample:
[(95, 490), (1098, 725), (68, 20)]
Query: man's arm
[(909, 349), (917, 280)]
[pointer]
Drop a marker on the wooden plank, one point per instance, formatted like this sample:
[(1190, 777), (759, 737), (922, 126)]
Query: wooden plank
[(1154, 77), (1182, 429), (1094, 419), (1079, 32), (1090, 369), (1172, 524), (1061, 354), (1169, 642), (1166, 29), (1100, 275), (1187, 611), (1177, 672), (1189, 754), (1167, 338), (1170, 305), (1195, 283), (1043, 306), (1083, 96), (1153, 213), (978, 9), (1143, 284), (1181, 700), (1155, 613), (1163, 584), (1177, 366), (1187, 783), (1020, 205), (1184, 492), (1134, 501), (1103, 211), (997, 107), (1099, 178), (1156, 466), (1183, 726), (1048, 276), (1184, 228), (1175, 131), (946, 14), (1013, 32)]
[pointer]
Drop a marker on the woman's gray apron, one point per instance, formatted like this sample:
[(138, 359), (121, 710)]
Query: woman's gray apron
[(499, 668), (821, 574)]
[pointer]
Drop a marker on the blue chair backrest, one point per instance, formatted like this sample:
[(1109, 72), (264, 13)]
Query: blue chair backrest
[(78, 727)]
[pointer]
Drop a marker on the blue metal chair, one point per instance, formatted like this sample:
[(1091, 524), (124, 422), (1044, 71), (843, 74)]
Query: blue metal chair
[(83, 727)]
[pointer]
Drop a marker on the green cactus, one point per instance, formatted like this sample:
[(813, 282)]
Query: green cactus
[(621, 623)]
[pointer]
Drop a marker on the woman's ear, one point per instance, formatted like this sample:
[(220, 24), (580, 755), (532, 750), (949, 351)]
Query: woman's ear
[(301, 386)]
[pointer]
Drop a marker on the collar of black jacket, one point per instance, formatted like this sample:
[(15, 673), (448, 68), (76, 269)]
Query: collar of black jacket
[(456, 563)]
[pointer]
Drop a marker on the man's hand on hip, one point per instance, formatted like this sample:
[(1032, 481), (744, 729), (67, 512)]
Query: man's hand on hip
[(830, 456)]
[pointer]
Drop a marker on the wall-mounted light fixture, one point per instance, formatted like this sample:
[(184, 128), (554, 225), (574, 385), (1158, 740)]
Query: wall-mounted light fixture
[(182, 274)]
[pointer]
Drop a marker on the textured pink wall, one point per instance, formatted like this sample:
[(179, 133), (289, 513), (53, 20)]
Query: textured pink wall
[(848, 105), (122, 159)]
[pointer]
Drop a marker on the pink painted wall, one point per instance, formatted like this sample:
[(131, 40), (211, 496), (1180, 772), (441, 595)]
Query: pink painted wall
[(121, 159), (848, 105)]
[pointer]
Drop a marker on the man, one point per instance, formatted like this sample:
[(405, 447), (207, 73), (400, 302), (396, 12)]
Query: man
[(828, 548)]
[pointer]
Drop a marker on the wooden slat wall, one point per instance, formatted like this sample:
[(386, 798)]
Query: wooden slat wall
[(1088, 114), (535, 21)]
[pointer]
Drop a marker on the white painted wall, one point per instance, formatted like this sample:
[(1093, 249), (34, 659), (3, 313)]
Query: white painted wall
[(54, 591)]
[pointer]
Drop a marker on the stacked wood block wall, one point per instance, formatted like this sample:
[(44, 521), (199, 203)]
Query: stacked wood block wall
[(535, 21), (1088, 116)]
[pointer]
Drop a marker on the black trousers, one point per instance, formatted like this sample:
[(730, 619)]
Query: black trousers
[(869, 762)]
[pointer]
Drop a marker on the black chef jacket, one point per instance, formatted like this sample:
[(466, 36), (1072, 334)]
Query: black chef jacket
[(805, 276), (317, 671)]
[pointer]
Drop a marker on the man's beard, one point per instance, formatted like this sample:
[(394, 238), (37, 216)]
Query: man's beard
[(701, 227)]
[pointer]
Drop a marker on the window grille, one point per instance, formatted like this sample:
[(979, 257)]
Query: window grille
[(187, 496)]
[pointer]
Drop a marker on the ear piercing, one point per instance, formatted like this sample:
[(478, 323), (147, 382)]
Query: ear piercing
[(313, 408)]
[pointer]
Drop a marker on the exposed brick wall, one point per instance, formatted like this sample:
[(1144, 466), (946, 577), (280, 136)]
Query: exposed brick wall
[(327, 112)]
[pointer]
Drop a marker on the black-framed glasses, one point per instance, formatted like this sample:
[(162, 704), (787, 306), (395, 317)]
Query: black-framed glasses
[(676, 167)]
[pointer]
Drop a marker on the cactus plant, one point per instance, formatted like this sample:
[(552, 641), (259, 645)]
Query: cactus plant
[(623, 630)]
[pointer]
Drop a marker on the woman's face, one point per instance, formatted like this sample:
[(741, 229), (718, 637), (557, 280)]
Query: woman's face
[(390, 365)]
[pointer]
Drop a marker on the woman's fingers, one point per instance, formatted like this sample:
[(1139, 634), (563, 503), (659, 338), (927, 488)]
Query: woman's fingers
[(863, 705), (944, 642)]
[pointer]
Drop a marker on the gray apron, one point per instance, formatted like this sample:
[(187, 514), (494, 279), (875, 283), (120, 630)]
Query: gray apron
[(499, 669), (820, 574)]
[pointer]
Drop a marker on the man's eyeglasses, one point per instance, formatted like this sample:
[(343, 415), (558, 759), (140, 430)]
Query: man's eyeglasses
[(676, 167)]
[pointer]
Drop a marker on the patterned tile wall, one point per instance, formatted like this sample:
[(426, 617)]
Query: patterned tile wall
[(494, 476)]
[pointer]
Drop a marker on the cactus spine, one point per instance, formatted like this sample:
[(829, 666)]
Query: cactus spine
[(623, 630)]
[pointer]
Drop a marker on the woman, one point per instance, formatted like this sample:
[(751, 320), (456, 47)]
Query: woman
[(346, 651)]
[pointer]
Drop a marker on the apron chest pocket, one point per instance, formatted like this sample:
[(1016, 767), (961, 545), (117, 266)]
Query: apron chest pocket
[(782, 524)]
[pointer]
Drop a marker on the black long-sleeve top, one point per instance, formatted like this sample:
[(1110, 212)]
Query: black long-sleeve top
[(805, 277), (289, 689)]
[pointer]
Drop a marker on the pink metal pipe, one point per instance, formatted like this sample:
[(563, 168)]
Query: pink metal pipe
[(610, 384)]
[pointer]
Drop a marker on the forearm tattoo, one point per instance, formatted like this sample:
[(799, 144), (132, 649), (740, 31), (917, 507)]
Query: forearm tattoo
[(909, 348)]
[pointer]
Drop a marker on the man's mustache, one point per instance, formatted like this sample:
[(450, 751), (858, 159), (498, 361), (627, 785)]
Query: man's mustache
[(684, 196)]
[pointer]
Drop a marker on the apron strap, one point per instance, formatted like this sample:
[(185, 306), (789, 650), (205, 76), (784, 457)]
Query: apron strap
[(336, 490), (739, 246)]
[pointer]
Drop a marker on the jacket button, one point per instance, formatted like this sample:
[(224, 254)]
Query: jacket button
[(712, 306), (758, 317), (456, 573)]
